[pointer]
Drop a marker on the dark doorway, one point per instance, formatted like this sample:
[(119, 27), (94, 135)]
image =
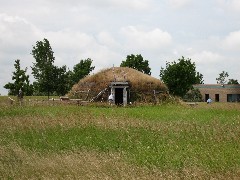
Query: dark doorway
[(206, 97), (118, 96), (216, 97)]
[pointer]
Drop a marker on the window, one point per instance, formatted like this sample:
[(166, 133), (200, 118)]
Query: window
[(233, 98), (216, 97), (229, 98)]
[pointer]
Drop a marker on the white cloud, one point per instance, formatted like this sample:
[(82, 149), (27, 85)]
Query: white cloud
[(69, 40), (15, 32), (149, 40), (71, 46), (207, 58), (136, 4), (210, 64), (106, 39), (235, 5), (230, 5), (16, 37), (177, 4), (133, 4), (232, 41)]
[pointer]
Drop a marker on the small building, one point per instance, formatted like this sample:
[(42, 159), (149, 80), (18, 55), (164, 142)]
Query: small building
[(219, 92), (126, 84)]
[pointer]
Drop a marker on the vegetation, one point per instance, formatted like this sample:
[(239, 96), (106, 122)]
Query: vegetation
[(193, 95), (169, 141), (81, 70), (43, 69), (50, 79), (233, 81), (180, 76), (21, 81), (53, 80), (142, 85), (222, 78), (137, 62)]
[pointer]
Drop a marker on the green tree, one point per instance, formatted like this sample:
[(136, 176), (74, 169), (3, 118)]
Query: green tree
[(222, 78), (180, 76), (193, 95), (43, 68), (137, 62), (21, 81), (80, 70), (62, 80), (233, 81)]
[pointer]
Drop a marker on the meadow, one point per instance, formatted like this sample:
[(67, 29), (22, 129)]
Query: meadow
[(96, 141)]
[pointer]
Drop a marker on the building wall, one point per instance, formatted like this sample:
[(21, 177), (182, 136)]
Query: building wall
[(218, 92)]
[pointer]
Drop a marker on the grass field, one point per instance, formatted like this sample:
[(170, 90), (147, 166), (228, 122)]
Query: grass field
[(53, 141)]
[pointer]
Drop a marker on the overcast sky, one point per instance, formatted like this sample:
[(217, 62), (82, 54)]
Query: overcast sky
[(207, 31)]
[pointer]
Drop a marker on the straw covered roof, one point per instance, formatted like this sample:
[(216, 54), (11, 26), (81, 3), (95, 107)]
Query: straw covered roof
[(139, 82)]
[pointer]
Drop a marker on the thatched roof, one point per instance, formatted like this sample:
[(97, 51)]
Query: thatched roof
[(139, 82)]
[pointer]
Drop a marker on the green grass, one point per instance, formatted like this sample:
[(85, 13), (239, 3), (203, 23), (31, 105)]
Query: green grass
[(148, 113), (169, 149), (167, 137)]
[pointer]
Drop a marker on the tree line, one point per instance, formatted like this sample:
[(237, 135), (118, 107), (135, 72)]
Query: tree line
[(50, 79)]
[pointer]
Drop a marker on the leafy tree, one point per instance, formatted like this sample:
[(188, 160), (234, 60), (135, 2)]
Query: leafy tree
[(180, 76), (222, 78), (21, 81), (137, 62), (63, 80), (80, 70), (51, 79), (193, 95), (43, 68), (233, 81)]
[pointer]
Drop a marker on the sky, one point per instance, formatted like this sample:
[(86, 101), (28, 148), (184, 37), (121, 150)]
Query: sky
[(206, 31)]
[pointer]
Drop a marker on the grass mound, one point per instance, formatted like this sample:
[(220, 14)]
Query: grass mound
[(140, 83)]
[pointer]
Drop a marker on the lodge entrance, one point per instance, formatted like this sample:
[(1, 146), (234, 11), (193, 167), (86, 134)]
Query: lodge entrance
[(119, 90), (118, 96)]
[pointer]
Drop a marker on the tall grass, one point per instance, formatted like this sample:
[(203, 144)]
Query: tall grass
[(164, 141)]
